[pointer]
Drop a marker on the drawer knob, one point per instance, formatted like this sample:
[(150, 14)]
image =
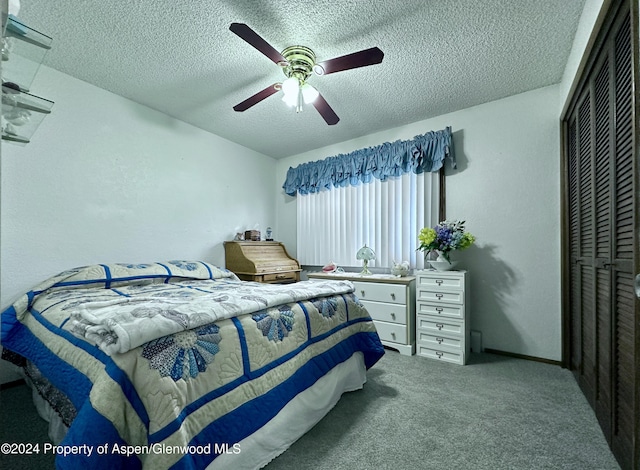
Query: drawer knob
[(439, 309), (439, 354), (439, 281), (393, 335), (393, 296), (393, 315), (362, 293), (440, 326), (439, 340), (439, 296)]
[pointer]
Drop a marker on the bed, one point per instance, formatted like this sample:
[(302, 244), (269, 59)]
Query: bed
[(182, 365)]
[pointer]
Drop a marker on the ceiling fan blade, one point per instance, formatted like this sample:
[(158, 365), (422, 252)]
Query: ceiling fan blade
[(249, 35), (350, 61), (255, 99), (327, 113)]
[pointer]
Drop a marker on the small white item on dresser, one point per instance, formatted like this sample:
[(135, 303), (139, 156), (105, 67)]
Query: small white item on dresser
[(400, 269), (442, 315), (329, 268)]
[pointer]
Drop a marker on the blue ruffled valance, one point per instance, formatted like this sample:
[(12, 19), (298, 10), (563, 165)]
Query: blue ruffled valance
[(423, 153)]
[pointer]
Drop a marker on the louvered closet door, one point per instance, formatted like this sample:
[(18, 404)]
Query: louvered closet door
[(624, 248), (589, 154), (601, 244)]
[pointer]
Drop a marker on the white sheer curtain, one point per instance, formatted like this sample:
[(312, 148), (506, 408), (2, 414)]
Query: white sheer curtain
[(386, 215)]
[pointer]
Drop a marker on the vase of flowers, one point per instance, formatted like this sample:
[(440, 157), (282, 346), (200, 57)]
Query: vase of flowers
[(447, 236)]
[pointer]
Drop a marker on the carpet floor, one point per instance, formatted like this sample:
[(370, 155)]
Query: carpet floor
[(416, 413)]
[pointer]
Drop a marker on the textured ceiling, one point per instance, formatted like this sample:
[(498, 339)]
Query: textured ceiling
[(180, 58)]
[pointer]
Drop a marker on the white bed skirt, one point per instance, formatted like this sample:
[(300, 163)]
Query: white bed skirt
[(291, 423), (296, 418)]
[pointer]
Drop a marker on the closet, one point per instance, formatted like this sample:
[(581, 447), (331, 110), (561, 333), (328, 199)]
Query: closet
[(600, 232)]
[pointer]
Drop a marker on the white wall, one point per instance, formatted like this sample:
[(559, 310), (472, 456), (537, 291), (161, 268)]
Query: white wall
[(593, 14), (507, 189), (108, 180)]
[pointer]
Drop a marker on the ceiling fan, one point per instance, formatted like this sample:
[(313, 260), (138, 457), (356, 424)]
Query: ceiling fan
[(298, 63)]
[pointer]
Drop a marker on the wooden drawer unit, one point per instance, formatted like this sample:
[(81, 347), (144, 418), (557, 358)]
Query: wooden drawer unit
[(434, 325), (442, 315), (391, 303), (258, 261), (456, 296), (392, 333), (439, 342), (441, 281), (379, 292), (440, 310), (441, 354), (383, 311)]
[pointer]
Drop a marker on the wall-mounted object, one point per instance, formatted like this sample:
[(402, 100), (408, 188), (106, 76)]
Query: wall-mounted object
[(22, 113), (23, 50)]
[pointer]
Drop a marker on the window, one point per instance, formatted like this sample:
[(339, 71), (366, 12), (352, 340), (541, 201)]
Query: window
[(379, 196), (385, 215)]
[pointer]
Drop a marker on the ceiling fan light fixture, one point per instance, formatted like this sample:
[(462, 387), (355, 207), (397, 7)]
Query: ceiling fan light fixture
[(290, 100), (309, 93), (290, 87), (298, 63)]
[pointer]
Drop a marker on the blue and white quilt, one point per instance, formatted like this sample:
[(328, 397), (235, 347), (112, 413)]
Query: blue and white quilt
[(170, 364)]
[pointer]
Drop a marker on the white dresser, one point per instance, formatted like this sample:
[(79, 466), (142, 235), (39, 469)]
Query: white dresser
[(442, 315), (391, 303)]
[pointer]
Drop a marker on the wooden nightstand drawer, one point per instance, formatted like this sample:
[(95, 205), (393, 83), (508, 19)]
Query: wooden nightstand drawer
[(438, 326), (447, 356), (440, 310), (392, 332), (391, 313), (280, 277), (440, 296), (442, 342), (440, 280), (392, 293)]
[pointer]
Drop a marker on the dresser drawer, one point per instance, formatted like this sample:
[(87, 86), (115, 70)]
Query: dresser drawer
[(290, 276), (438, 281), (391, 313), (447, 356), (441, 342), (392, 332), (436, 326), (392, 293), (440, 296), (441, 310)]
